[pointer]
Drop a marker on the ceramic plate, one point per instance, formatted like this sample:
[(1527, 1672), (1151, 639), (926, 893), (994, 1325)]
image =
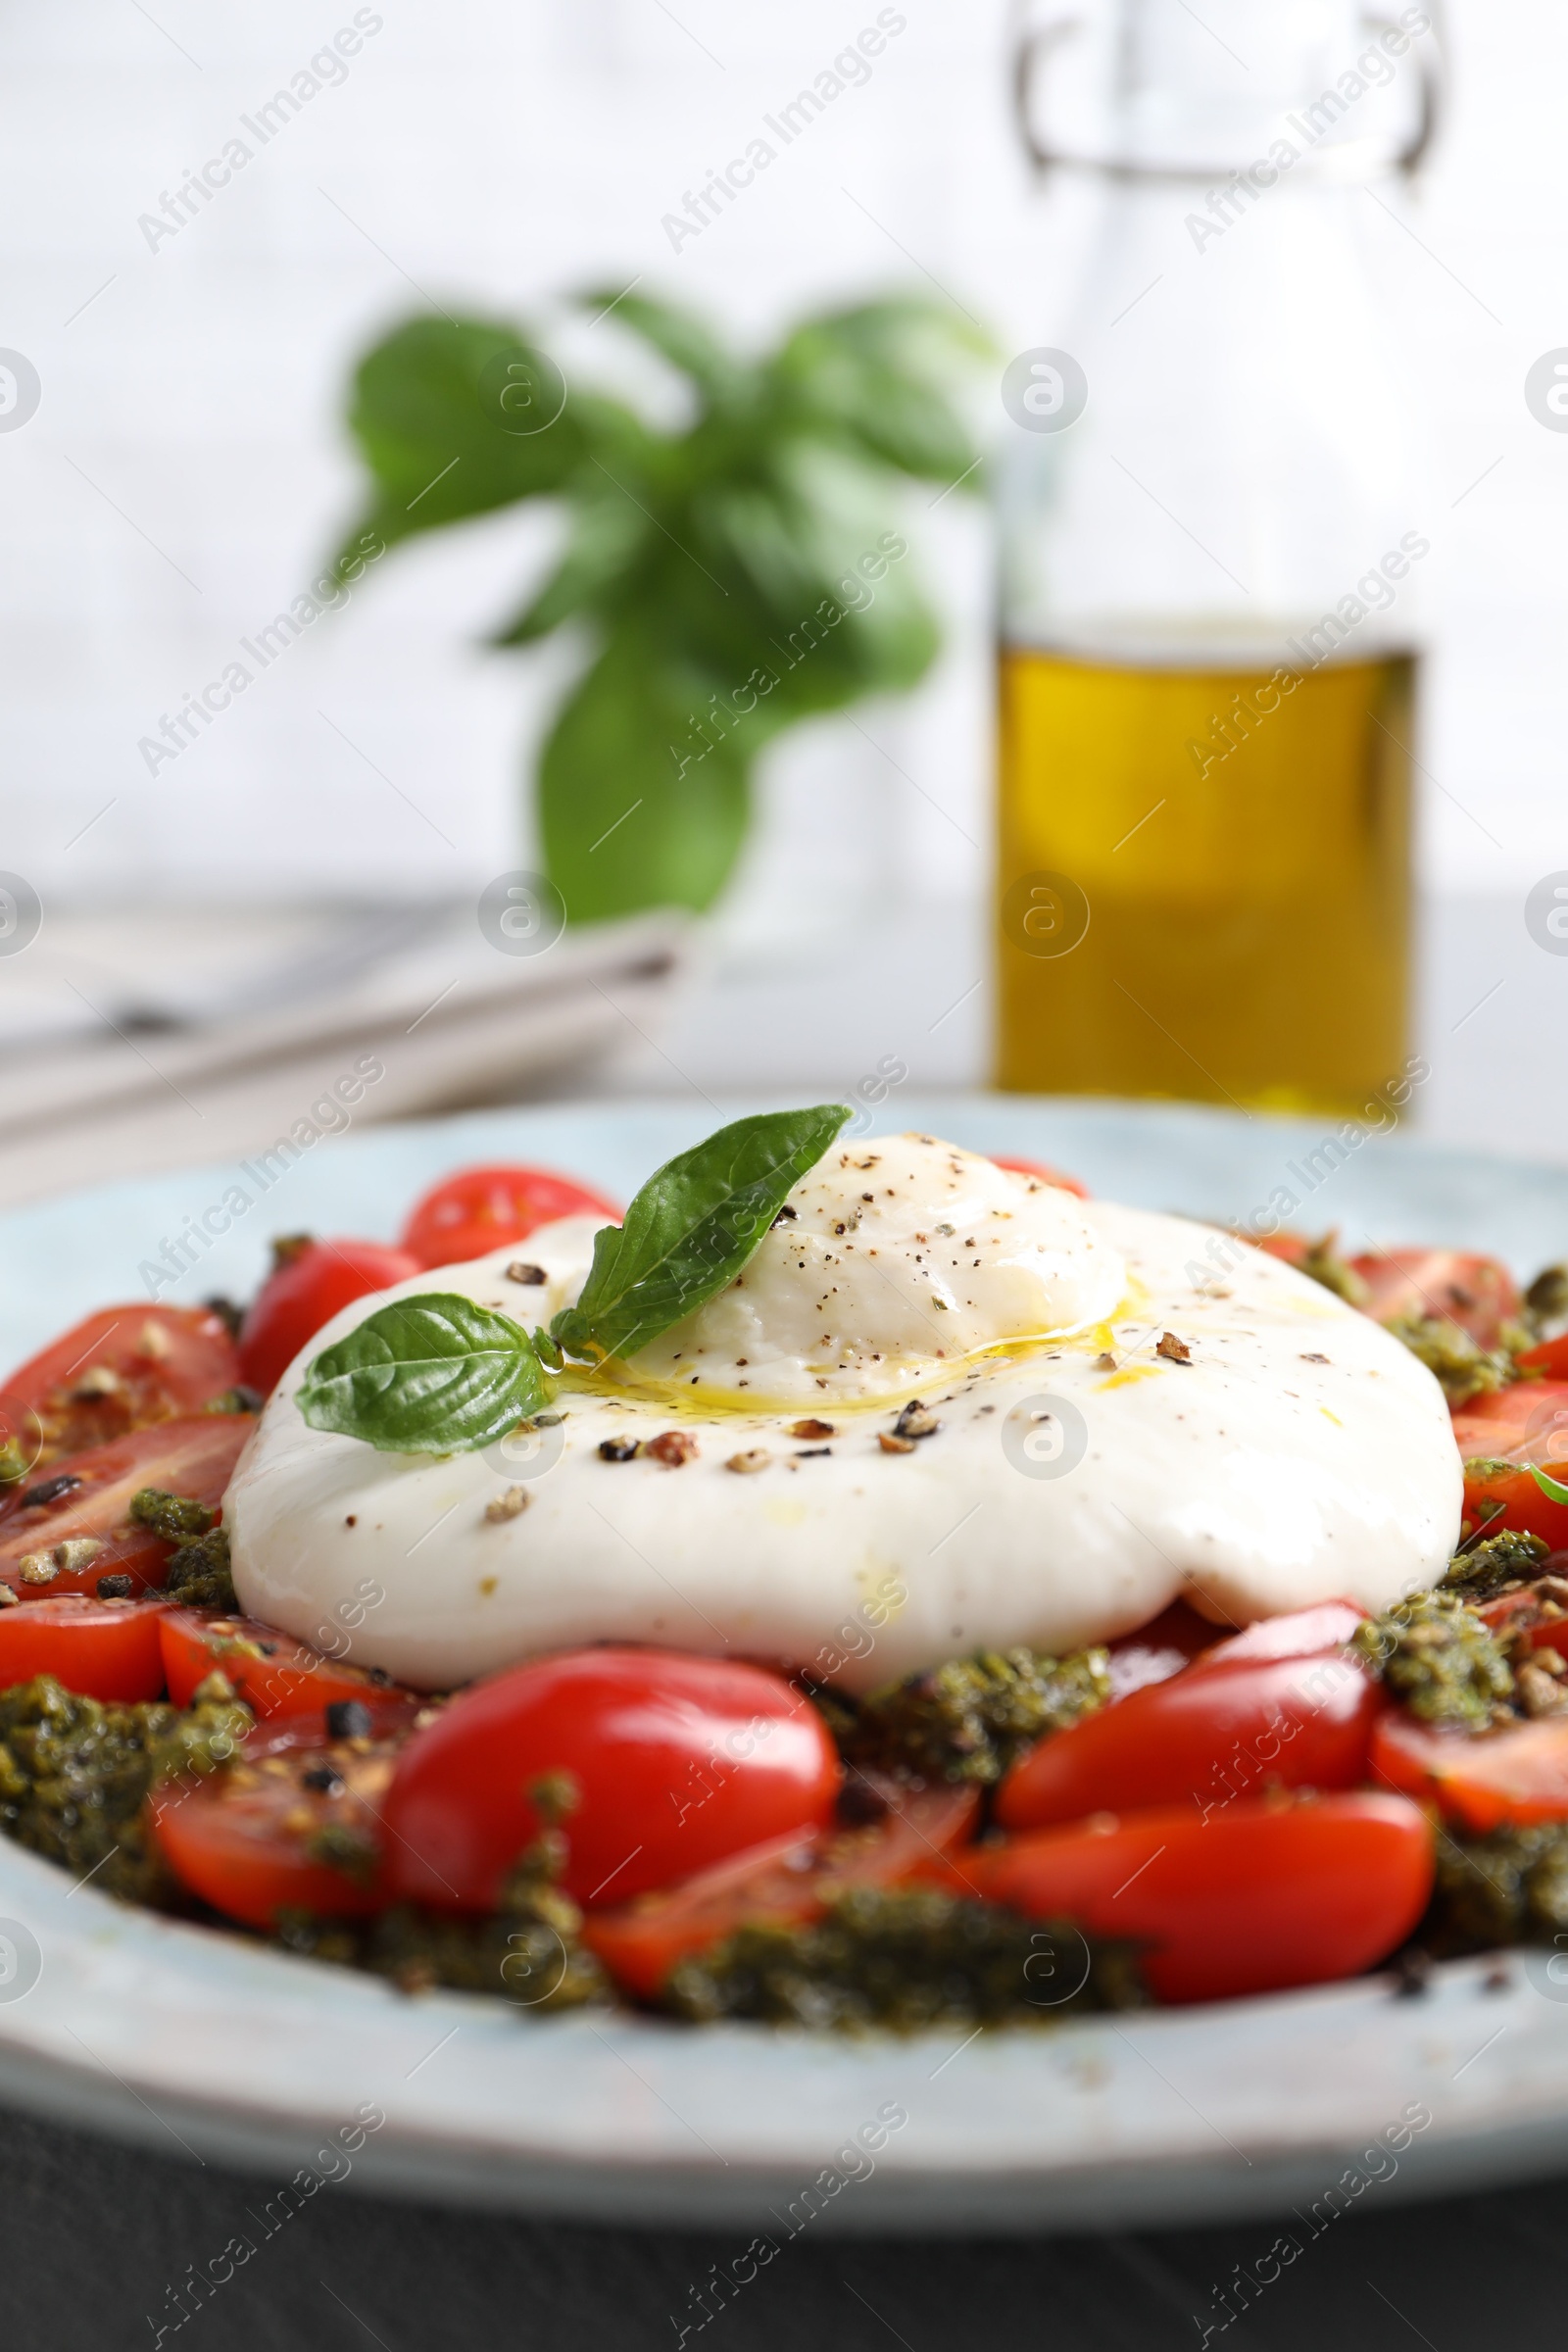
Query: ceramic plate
[(184, 2037)]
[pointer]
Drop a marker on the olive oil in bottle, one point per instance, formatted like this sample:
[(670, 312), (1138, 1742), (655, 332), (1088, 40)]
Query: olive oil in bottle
[(1204, 879), (1212, 540)]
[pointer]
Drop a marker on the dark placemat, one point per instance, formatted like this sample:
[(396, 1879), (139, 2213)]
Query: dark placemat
[(99, 2245)]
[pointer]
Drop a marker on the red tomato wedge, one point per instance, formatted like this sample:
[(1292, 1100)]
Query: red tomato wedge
[(1046, 1173), (1299, 1634), (1263, 1897), (1202, 1739), (679, 1761), (243, 1840), (1494, 1500), (1528, 1421), (1159, 1649), (272, 1673), (88, 1498), (1478, 1293), (1516, 1775), (305, 1292), (785, 1882), (115, 1371), (105, 1650), (1549, 1358), (476, 1211)]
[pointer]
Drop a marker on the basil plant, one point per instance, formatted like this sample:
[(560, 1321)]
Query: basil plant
[(724, 577)]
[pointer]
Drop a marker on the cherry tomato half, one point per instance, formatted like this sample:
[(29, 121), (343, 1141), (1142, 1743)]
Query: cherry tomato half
[(250, 1839), (1478, 1293), (1202, 1739), (1268, 1894), (305, 1292), (87, 1497), (1527, 1421), (1549, 1358), (1494, 1500), (476, 1211), (1299, 1634), (788, 1880), (115, 1371), (105, 1649), (1046, 1173), (272, 1673), (678, 1761), (1516, 1775)]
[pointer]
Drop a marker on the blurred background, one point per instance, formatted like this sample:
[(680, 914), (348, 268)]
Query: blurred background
[(203, 924)]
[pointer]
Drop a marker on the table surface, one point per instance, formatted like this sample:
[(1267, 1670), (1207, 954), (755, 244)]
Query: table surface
[(893, 995), (909, 985), (346, 2270)]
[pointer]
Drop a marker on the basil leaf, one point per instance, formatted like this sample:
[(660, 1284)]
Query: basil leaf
[(692, 1228), (1548, 1486), (664, 836), (435, 1374), (434, 445)]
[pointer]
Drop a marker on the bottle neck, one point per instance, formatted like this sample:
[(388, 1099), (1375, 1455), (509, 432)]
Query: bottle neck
[(1150, 89), (1234, 461)]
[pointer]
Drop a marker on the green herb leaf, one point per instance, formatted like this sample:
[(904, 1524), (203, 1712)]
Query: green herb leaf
[(692, 1228), (432, 440), (435, 1374), (876, 377), (624, 824), (726, 575), (1548, 1486), (606, 539)]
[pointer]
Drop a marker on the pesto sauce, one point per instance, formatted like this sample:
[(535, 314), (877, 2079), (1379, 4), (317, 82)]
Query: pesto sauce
[(1547, 1302), (972, 1719), (1509, 1887), (1439, 1661), (1503, 1560), (1461, 1366), (199, 1575), (1323, 1262), (904, 1959), (174, 1517), (528, 1951), (76, 1772)]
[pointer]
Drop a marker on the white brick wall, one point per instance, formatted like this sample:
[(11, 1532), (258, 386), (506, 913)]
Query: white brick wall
[(185, 474)]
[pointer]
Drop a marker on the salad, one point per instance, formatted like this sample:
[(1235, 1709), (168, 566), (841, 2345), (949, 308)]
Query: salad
[(864, 1584)]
